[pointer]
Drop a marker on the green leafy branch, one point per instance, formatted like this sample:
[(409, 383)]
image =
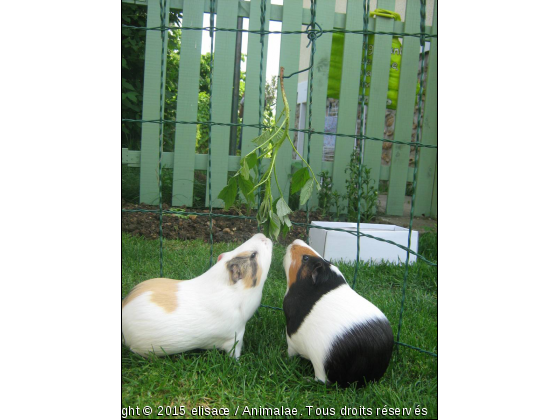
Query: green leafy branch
[(273, 214)]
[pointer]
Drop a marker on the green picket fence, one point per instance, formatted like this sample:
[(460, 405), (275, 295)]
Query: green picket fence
[(184, 160)]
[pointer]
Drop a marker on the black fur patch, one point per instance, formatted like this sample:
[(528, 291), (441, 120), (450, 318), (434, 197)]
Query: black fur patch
[(314, 279), (361, 354)]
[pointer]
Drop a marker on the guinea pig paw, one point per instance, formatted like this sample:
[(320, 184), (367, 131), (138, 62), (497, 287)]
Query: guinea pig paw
[(325, 382), (234, 355)]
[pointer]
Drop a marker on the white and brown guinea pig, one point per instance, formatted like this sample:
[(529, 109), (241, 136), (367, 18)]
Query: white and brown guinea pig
[(167, 316), (346, 337)]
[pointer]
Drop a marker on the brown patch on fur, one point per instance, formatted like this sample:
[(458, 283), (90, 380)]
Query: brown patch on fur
[(297, 253), (164, 293), (243, 267)]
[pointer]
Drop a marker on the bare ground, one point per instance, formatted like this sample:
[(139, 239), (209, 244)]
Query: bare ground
[(231, 229)]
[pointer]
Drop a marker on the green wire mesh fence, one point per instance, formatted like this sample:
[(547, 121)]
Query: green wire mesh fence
[(313, 32)]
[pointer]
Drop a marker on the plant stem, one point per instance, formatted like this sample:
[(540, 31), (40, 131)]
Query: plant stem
[(278, 184), (269, 170), (287, 117)]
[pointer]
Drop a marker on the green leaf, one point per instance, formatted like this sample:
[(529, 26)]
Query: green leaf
[(306, 192), (287, 221), (262, 214), (273, 136), (278, 138), (298, 164), (244, 169), (285, 230), (274, 203), (275, 224), (246, 186), (266, 229), (277, 141), (266, 175), (126, 85), (172, 45), (251, 160), (300, 178), (229, 192), (282, 208), (132, 96), (263, 138)]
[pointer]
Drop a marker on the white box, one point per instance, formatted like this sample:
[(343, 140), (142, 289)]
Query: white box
[(336, 245)]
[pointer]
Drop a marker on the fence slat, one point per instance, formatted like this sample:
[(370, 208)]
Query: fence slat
[(377, 104), (433, 211), (252, 76), (222, 91), (427, 157), (405, 111), (349, 94), (187, 104), (149, 188), (289, 59), (325, 17)]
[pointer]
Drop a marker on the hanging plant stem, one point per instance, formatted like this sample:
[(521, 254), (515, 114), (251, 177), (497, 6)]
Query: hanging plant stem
[(273, 214)]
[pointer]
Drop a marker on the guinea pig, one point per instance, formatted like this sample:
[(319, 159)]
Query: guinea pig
[(165, 316), (346, 337)]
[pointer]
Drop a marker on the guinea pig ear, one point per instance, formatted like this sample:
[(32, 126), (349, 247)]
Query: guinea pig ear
[(316, 273), (235, 272)]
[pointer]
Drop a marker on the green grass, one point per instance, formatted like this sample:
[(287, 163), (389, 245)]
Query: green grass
[(264, 376)]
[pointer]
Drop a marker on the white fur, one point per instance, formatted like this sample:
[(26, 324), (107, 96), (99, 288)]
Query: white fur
[(211, 312), (332, 315)]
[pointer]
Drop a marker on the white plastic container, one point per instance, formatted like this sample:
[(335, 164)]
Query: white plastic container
[(341, 246)]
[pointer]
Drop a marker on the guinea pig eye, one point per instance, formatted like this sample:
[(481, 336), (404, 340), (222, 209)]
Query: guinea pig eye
[(253, 255), (306, 258)]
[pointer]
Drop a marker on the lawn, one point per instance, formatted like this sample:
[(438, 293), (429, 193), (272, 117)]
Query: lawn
[(265, 378)]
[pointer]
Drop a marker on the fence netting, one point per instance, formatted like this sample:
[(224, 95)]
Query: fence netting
[(313, 32)]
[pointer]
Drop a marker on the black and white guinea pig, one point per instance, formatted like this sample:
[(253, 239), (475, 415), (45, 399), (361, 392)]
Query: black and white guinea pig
[(167, 316), (346, 337)]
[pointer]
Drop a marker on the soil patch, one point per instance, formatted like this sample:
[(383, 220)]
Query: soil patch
[(198, 226)]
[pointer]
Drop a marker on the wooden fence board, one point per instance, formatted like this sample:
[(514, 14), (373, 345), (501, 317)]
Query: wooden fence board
[(222, 91), (427, 156), (349, 94), (433, 210), (405, 111), (187, 104), (289, 59), (252, 76), (149, 185), (381, 63), (325, 17)]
